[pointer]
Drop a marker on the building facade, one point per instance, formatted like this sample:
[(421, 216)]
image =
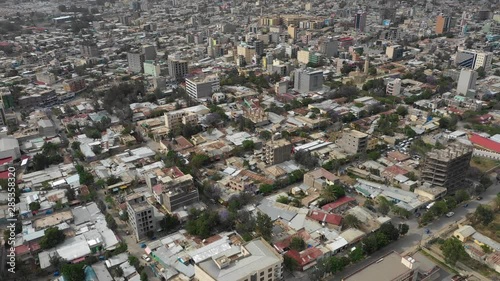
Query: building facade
[(140, 215), (466, 81), (175, 119), (360, 21), (89, 50), (135, 62), (394, 87), (177, 68), (443, 24), (447, 167), (308, 80), (202, 86), (353, 141), (278, 151), (473, 59)]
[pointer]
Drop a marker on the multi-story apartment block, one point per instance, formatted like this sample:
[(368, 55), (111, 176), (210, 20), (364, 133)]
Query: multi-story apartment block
[(135, 62), (177, 68), (447, 167), (394, 87), (466, 81), (353, 141), (44, 98), (277, 151), (329, 47), (473, 59), (173, 189), (89, 49), (253, 261), (360, 21), (140, 214), (74, 85), (174, 119), (247, 51), (149, 52), (202, 86)]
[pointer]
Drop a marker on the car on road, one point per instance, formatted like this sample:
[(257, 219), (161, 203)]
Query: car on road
[(450, 214), (146, 258), (466, 205), (479, 198)]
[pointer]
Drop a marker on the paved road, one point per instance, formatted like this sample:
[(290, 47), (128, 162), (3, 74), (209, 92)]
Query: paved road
[(416, 235)]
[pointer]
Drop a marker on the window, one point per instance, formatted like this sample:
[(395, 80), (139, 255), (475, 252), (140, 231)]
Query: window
[(262, 273), (269, 270), (270, 275), (262, 279)]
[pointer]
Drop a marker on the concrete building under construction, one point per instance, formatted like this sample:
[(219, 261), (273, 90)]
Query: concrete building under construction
[(447, 167)]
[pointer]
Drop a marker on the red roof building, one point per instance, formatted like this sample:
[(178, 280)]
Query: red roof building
[(325, 217), (485, 143), (339, 205), (307, 258)]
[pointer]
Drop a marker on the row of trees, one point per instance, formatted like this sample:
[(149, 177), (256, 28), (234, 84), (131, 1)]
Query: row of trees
[(293, 177), (49, 155)]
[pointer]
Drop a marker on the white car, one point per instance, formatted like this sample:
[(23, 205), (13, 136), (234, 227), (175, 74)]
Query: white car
[(450, 214), (146, 258)]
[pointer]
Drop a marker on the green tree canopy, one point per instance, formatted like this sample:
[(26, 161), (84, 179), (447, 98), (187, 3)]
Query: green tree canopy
[(453, 250), (53, 237)]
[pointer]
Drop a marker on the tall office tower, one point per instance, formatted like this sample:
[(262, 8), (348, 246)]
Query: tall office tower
[(473, 59), (360, 21), (329, 47), (466, 81), (259, 47), (149, 52), (177, 68), (135, 62), (89, 49), (443, 24), (308, 80), (447, 167)]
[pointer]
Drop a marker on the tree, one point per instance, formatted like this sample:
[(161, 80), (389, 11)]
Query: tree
[(484, 214), (110, 221), (248, 145), (290, 263), (390, 231), (305, 158), (462, 196), (402, 111), (351, 221), (169, 222), (266, 188), (374, 155), (53, 237), (481, 73), (372, 71), (133, 261), (297, 244), (356, 255), (264, 226), (265, 135), (384, 208), (62, 8), (144, 276), (56, 261), (118, 271), (34, 206), (73, 272), (403, 228), (199, 160), (453, 250), (336, 264), (283, 199)]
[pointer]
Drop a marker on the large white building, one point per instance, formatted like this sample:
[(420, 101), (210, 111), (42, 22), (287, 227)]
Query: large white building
[(202, 86), (474, 59), (466, 81), (255, 260), (394, 87), (308, 80), (174, 119)]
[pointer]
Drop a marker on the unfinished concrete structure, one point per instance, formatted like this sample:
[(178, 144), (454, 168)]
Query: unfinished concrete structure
[(447, 167)]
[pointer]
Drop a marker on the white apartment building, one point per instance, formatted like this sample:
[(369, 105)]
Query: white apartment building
[(202, 86), (394, 87)]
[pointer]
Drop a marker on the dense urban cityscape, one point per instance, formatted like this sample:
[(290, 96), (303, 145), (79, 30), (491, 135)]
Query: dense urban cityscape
[(238, 140)]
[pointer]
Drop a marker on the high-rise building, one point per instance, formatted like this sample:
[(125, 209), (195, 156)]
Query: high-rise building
[(173, 189), (247, 51), (473, 59), (202, 86), (360, 21), (293, 31), (140, 215), (447, 167), (255, 260), (353, 141), (277, 151), (89, 49), (177, 68), (149, 52), (308, 80), (394, 87), (466, 81), (135, 62), (394, 52), (259, 47), (443, 24), (152, 68), (329, 47)]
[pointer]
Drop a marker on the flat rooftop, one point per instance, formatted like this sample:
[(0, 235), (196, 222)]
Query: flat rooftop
[(387, 268)]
